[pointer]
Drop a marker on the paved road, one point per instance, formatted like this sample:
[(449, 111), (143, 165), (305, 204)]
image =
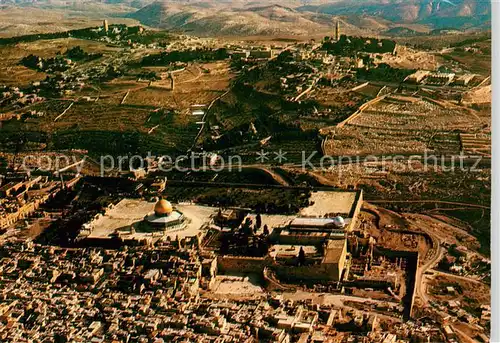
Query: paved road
[(420, 281)]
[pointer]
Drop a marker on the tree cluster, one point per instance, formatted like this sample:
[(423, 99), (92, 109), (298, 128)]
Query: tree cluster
[(384, 72), (245, 241), (165, 58), (275, 201), (347, 46), (54, 64), (78, 54)]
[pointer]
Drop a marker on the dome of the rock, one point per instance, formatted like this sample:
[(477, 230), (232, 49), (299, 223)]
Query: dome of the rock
[(163, 208)]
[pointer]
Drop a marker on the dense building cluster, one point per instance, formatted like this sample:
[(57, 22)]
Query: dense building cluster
[(160, 295), (21, 196)]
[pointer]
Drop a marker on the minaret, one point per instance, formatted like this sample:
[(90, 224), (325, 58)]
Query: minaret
[(106, 26), (337, 31)]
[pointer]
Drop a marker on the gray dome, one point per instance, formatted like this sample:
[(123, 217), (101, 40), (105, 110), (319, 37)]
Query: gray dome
[(339, 222)]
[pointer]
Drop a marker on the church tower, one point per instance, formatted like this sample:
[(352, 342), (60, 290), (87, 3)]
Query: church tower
[(105, 25), (337, 31)]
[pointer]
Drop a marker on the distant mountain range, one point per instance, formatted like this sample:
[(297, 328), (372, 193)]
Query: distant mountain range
[(437, 13), (205, 18), (282, 17), (361, 15)]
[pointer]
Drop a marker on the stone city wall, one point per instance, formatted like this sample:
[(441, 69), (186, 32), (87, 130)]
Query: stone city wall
[(241, 264)]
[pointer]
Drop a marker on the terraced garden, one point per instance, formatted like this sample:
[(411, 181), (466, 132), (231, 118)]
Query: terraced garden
[(404, 127), (101, 127), (123, 116)]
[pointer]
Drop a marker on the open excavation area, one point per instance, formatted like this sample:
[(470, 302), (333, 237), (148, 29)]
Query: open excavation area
[(161, 182)]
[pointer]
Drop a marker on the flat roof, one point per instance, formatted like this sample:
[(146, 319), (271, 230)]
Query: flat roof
[(328, 202), (271, 220), (301, 221), (246, 285), (466, 76)]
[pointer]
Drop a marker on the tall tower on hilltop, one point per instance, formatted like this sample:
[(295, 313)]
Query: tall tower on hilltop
[(106, 26), (337, 31), (172, 82)]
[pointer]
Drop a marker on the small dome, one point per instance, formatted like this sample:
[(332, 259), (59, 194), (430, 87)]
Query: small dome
[(163, 207), (339, 222)]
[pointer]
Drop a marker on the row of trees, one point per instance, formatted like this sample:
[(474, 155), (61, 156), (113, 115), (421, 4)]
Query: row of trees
[(277, 201), (347, 46), (58, 63), (198, 54), (132, 33), (78, 54)]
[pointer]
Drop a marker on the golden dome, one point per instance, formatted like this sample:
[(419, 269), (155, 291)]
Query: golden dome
[(163, 207)]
